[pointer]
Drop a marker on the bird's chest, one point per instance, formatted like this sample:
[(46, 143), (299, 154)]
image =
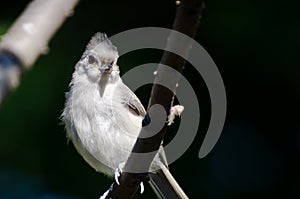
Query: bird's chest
[(97, 109)]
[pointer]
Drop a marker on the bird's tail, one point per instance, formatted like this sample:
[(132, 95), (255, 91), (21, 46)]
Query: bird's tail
[(165, 186)]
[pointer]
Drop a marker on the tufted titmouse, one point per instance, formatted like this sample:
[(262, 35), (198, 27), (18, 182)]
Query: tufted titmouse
[(103, 116)]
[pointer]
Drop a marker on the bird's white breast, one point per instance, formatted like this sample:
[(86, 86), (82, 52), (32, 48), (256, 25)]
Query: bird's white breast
[(102, 130)]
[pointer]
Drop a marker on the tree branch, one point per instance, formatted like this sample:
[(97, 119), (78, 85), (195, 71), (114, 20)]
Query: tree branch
[(28, 38), (187, 21)]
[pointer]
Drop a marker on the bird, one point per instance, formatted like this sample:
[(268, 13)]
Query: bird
[(103, 117)]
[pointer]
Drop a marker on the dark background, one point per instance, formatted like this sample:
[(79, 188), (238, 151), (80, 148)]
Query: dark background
[(255, 45)]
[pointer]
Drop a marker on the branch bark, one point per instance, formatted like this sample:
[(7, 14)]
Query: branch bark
[(186, 21), (28, 38)]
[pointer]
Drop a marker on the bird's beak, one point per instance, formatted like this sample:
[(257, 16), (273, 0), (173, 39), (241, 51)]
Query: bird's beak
[(106, 68)]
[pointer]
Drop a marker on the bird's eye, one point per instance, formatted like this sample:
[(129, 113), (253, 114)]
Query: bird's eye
[(92, 59), (111, 64)]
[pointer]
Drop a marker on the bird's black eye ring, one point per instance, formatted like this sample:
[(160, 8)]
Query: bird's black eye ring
[(92, 59)]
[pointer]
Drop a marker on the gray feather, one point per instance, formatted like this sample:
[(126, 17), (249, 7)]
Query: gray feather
[(100, 38)]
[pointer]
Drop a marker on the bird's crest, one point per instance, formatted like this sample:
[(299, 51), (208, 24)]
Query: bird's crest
[(100, 38)]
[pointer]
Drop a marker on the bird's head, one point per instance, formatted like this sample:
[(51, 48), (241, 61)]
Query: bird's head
[(100, 58)]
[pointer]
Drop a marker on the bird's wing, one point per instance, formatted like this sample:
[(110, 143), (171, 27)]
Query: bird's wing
[(136, 108), (132, 102)]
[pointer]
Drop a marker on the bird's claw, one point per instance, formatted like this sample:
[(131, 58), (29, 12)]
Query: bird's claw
[(117, 175), (118, 172), (142, 187)]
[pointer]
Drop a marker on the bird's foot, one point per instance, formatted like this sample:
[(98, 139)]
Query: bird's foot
[(142, 187), (118, 172)]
